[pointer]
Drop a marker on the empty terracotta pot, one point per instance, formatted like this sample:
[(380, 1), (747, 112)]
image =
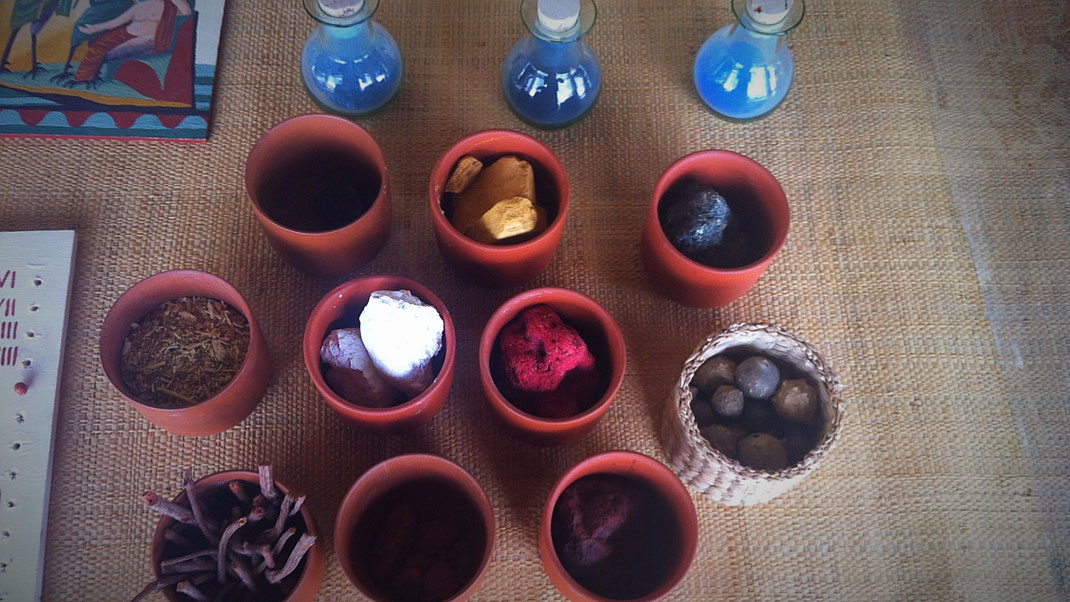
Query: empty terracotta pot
[(749, 189), (446, 490), (226, 408), (315, 559), (674, 514), (602, 336), (320, 190), (341, 308), (501, 266)]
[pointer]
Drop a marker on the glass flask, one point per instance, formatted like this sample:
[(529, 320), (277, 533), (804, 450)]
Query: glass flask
[(744, 70), (552, 77), (350, 64)]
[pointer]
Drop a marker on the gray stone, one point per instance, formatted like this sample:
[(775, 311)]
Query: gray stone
[(728, 401), (757, 377)]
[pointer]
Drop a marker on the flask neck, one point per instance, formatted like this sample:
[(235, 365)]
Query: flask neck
[(346, 37), (740, 31), (556, 51)]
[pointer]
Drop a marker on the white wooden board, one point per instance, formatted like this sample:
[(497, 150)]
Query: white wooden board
[(35, 281)]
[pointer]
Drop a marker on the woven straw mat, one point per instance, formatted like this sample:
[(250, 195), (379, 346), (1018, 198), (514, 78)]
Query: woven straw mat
[(924, 150)]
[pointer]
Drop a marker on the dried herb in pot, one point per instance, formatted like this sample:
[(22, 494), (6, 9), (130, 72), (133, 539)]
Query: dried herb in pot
[(184, 352), (232, 541)]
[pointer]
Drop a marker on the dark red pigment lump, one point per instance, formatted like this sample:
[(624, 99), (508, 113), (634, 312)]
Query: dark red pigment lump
[(614, 536), (422, 542), (548, 369)]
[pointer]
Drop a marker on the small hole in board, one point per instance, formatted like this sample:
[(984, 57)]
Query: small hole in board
[(35, 307), (5, 534), (19, 419), (11, 503), (38, 282), (14, 474), (30, 334), (15, 446), (27, 363)]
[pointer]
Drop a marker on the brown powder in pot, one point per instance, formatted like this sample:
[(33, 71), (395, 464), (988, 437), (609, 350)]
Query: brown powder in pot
[(184, 352)]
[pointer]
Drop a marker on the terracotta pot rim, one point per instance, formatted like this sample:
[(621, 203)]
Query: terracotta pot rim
[(341, 123), (531, 298), (223, 476), (345, 408), (255, 340), (444, 469), (688, 524), (448, 230), (715, 154)]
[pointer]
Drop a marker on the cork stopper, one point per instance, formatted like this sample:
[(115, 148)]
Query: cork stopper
[(769, 12), (340, 8), (558, 16)]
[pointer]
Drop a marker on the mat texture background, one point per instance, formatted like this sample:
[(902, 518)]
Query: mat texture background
[(924, 149)]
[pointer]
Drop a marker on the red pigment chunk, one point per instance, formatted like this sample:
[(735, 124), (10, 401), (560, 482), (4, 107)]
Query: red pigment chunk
[(539, 350), (577, 392), (549, 370), (599, 514)]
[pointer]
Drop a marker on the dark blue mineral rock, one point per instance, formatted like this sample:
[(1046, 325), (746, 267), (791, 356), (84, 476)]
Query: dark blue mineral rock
[(700, 224)]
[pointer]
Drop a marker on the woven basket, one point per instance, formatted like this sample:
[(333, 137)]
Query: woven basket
[(714, 474)]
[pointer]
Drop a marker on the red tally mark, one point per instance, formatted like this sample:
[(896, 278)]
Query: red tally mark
[(9, 356)]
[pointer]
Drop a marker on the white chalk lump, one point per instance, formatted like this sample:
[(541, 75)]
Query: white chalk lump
[(393, 349)]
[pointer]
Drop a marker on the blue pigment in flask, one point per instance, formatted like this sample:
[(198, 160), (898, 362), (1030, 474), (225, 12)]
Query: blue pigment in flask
[(552, 77), (745, 69), (350, 64)]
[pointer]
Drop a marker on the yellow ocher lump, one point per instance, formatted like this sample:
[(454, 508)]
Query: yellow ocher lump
[(507, 219), (506, 178)]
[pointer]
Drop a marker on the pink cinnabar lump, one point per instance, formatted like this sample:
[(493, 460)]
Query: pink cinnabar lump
[(539, 350), (350, 372)]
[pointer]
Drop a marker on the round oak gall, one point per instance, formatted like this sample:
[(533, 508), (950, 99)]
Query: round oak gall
[(714, 372), (762, 451), (728, 401), (757, 377), (796, 401)]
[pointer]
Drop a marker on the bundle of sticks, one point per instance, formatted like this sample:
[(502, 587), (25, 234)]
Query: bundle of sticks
[(232, 541)]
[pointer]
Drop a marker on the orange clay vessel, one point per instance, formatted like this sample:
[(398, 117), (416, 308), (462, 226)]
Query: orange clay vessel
[(315, 560), (748, 187), (334, 252), (657, 476), (341, 308), (230, 405), (603, 338), (501, 266)]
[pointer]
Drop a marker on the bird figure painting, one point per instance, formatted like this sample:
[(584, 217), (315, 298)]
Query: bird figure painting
[(108, 68), (36, 14)]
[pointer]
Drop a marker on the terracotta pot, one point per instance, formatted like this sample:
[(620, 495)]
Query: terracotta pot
[(341, 308), (747, 186), (230, 405), (303, 138), (603, 337), (315, 559), (657, 477), (383, 479), (502, 266)]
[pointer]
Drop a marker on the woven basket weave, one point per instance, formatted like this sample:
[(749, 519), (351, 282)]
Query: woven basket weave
[(716, 475)]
